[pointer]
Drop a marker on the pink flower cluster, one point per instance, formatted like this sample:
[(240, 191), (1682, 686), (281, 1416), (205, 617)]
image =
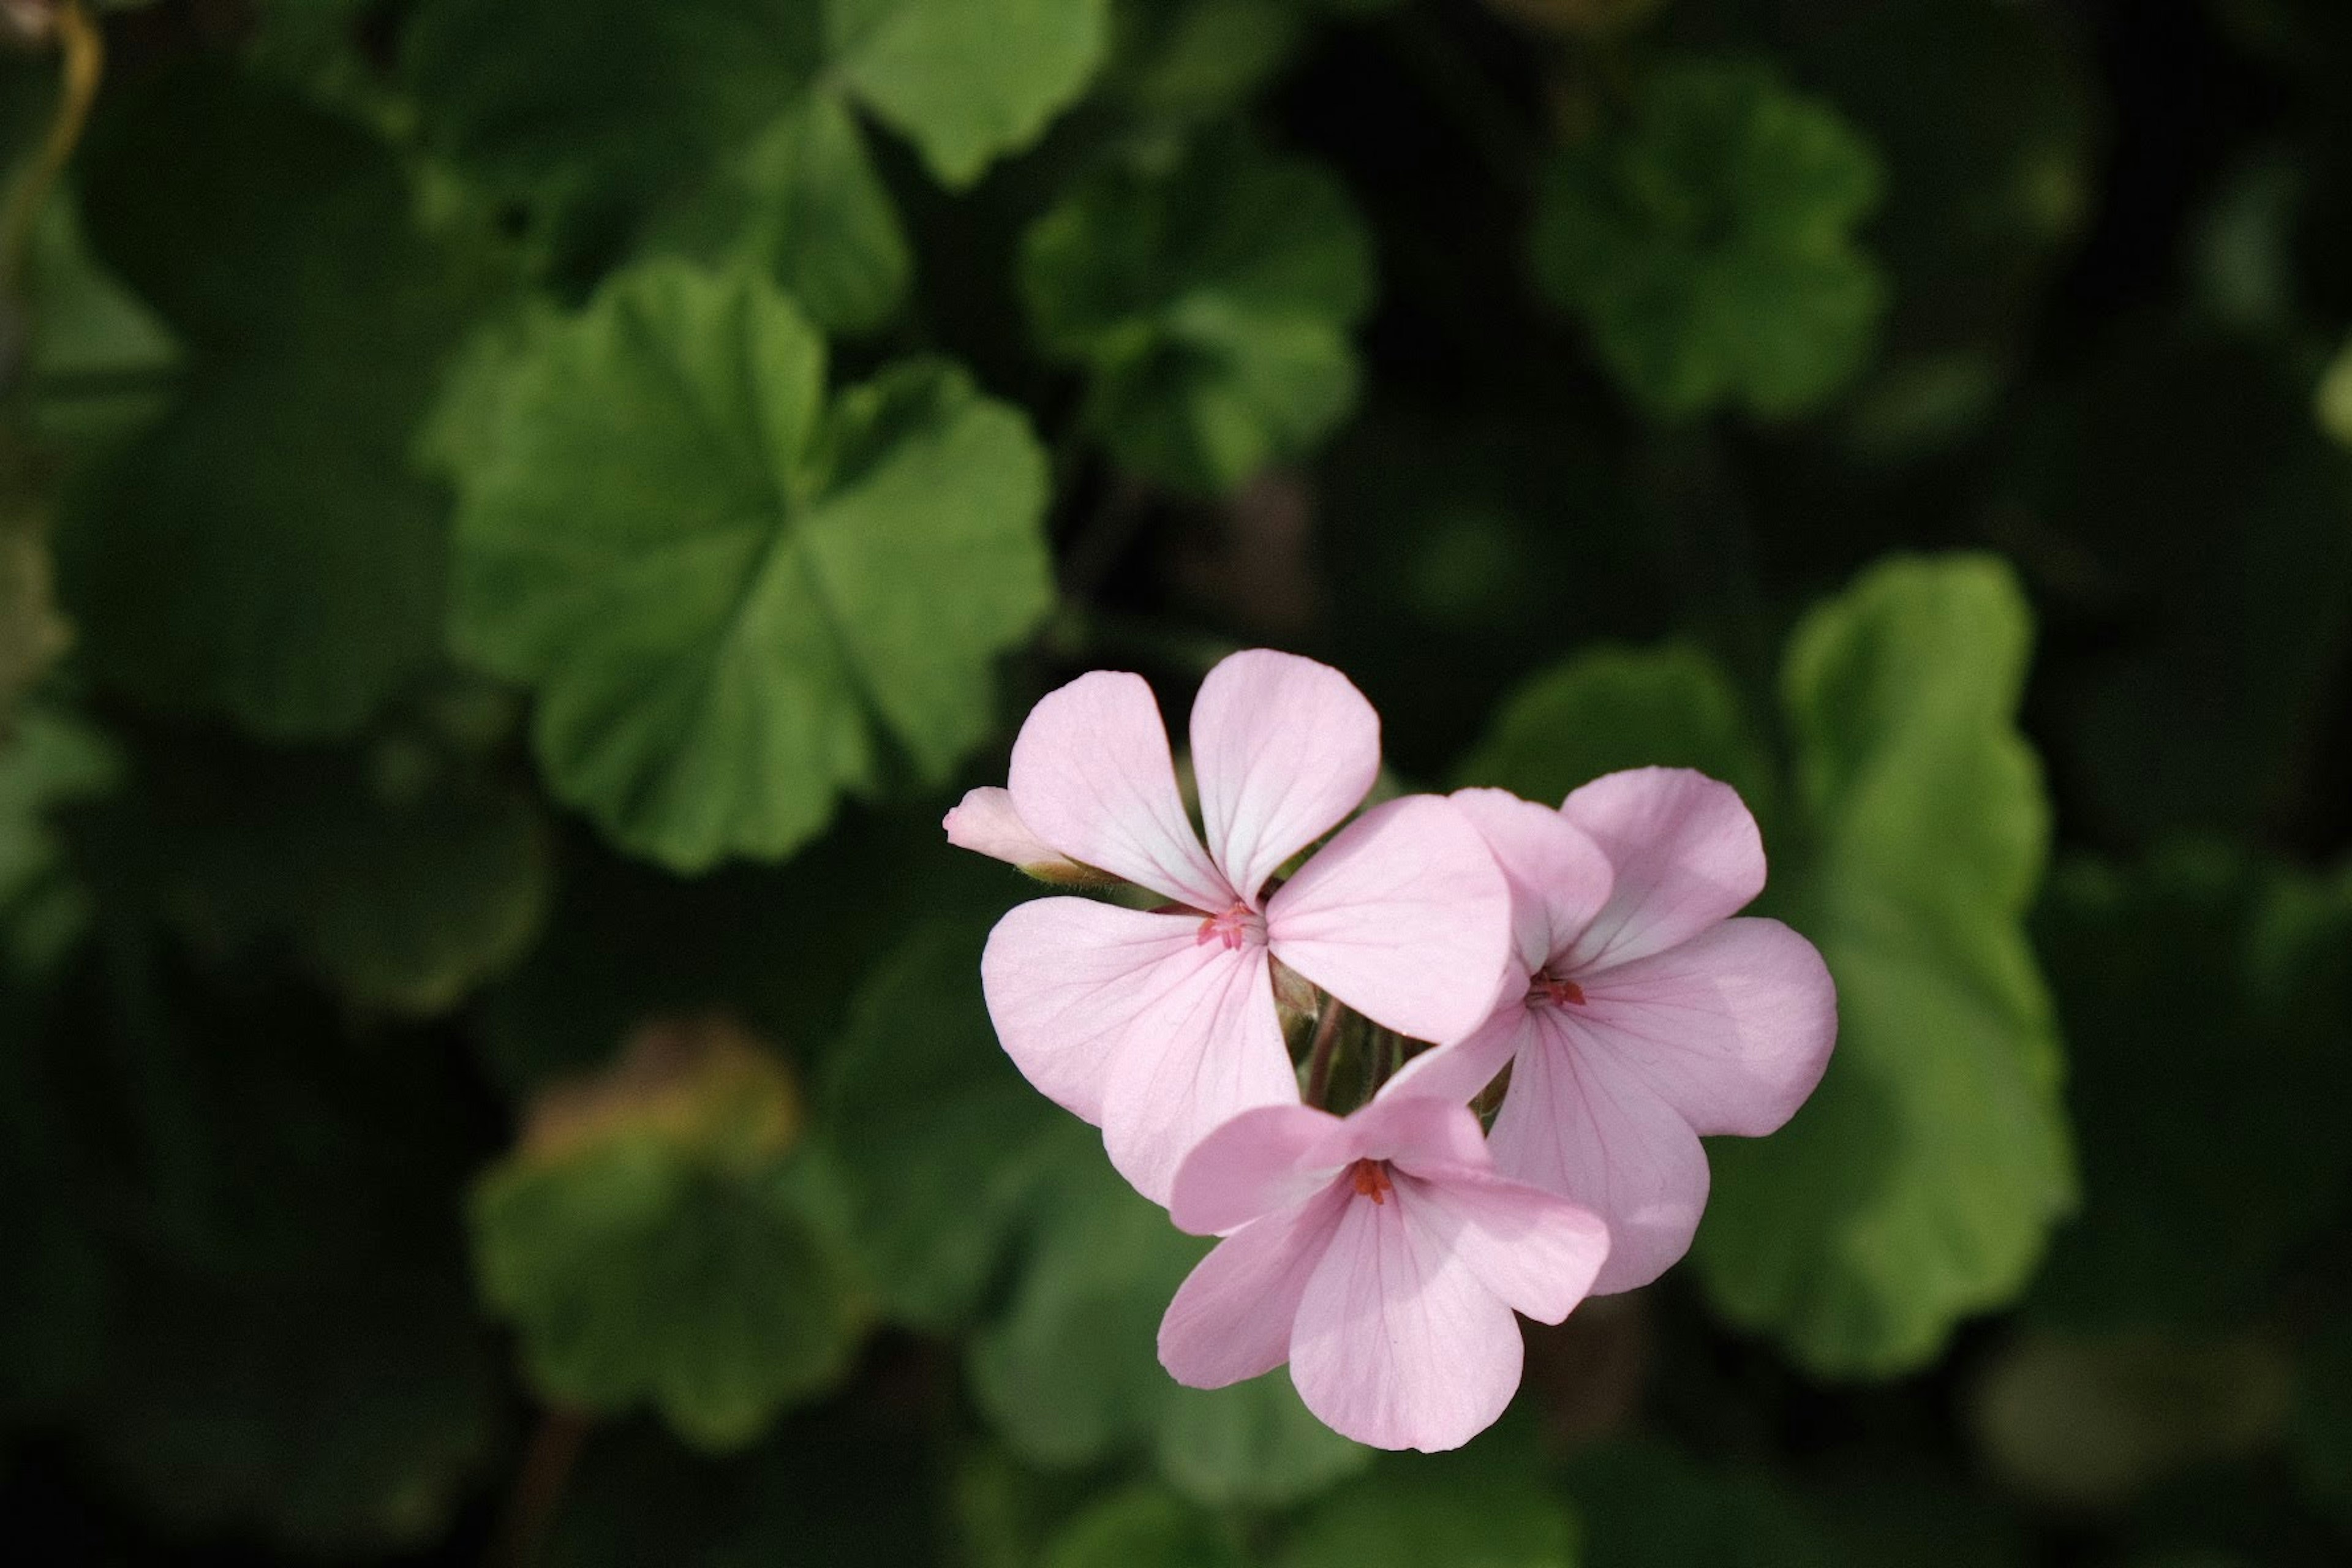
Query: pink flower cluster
[(1592, 952)]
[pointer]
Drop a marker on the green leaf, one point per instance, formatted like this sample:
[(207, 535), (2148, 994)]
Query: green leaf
[(967, 80), (48, 760), (1648, 1507), (1920, 1182), (266, 551), (397, 875), (655, 1242), (2333, 402), (2207, 1004), (602, 98), (1621, 708), (727, 593), (940, 1143), (1210, 305), (804, 205), (2091, 1423), (1708, 243), (1194, 60), (1143, 1529), (1403, 1518), (1253, 1442)]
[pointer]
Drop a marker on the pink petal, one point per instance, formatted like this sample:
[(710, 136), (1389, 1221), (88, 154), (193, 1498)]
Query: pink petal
[(1404, 916), (1539, 1252), (1579, 1124), (1204, 1054), (986, 824), (1092, 777), (1283, 749), (1074, 987), (1398, 1344), (1686, 854), (1415, 1131), (1461, 1071), (1256, 1163), (1559, 879), (1733, 1028), (1231, 1318)]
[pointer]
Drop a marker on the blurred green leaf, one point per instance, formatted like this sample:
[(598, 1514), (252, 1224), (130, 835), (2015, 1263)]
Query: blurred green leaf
[(1143, 1529), (728, 593), (1621, 708), (1210, 305), (967, 80), (2207, 1004), (2333, 402), (48, 760), (1193, 60), (396, 875), (1405, 1517), (1708, 243), (804, 205), (942, 1143), (602, 99), (656, 1242), (101, 362), (1921, 1181), (2089, 1423), (1646, 1506), (266, 551)]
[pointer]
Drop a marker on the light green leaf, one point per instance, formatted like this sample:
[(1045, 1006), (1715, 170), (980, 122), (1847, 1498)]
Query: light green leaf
[(1210, 305), (967, 80), (729, 594), (1404, 1518), (1921, 1182), (1621, 708), (1143, 1529), (804, 205), (264, 550), (655, 1242), (1708, 243), (1252, 1442), (2333, 401)]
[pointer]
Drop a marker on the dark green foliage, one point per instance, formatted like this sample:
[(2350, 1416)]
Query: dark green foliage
[(517, 518)]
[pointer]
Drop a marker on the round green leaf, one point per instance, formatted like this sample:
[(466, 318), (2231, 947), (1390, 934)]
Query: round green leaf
[(1463, 1518), (729, 596), (1142, 1529), (1921, 1182), (1708, 243)]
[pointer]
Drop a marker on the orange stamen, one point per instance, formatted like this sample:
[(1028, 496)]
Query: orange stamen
[(1370, 1178)]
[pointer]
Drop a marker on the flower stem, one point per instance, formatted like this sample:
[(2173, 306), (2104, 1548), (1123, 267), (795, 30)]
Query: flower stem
[(1318, 1054)]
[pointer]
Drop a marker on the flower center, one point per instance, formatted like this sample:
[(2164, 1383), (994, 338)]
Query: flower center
[(1371, 1179), (1549, 987), (1234, 927)]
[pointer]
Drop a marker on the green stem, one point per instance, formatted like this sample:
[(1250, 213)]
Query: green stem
[(1318, 1054), (83, 47)]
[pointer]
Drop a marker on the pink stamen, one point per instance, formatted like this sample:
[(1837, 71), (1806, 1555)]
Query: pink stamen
[(1232, 928)]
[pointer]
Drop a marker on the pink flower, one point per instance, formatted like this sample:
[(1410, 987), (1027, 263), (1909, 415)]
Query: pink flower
[(1157, 1025), (1382, 1256), (1650, 1016)]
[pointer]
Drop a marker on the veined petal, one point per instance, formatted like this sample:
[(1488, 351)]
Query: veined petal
[(1092, 777), (1398, 1344), (1579, 1124), (1415, 1131), (986, 822), (1405, 917), (1458, 1072), (1254, 1164), (1207, 1051), (1233, 1316), (1733, 1028), (1559, 879), (1074, 987), (1283, 749), (1540, 1253), (1685, 852)]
